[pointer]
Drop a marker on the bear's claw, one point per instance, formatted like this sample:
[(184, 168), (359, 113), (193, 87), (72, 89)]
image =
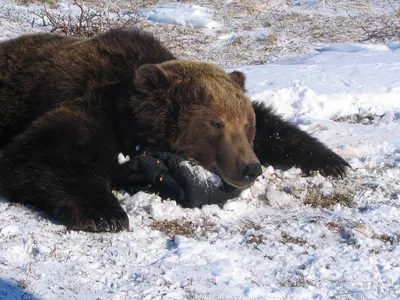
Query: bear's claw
[(330, 166), (107, 219)]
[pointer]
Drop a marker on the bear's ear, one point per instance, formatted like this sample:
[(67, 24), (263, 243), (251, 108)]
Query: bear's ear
[(239, 78), (152, 77)]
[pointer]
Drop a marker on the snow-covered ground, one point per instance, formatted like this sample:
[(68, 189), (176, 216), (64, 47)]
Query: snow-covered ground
[(271, 242), (229, 32), (182, 14)]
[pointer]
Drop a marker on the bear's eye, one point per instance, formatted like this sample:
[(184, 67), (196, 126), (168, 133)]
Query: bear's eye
[(216, 124), (246, 126)]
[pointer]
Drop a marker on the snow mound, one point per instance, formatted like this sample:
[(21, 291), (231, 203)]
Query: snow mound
[(346, 47), (393, 45), (183, 14)]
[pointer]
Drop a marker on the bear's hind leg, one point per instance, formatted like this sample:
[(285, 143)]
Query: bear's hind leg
[(62, 164)]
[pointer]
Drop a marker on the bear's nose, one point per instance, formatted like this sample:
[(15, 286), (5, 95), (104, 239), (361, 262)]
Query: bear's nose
[(252, 171)]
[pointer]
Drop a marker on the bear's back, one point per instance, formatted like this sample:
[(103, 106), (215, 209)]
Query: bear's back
[(43, 71)]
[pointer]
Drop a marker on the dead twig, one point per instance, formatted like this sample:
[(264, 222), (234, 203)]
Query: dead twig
[(83, 20)]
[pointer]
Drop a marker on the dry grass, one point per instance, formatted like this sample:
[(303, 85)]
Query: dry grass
[(287, 238), (26, 2), (364, 118), (296, 280), (251, 225), (250, 7), (386, 28), (240, 40), (198, 229), (255, 239), (386, 238), (25, 283), (317, 198), (174, 228), (334, 227)]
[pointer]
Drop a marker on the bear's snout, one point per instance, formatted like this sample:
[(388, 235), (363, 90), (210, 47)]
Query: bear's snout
[(251, 171)]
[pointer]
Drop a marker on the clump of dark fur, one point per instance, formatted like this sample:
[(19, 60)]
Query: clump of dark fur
[(69, 106), (281, 144)]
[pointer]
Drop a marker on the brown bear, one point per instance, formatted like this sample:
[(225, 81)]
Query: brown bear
[(68, 106)]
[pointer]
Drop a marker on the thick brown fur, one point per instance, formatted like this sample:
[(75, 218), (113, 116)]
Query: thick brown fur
[(68, 106)]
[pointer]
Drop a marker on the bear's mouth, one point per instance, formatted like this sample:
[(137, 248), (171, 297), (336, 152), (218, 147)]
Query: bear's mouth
[(239, 185)]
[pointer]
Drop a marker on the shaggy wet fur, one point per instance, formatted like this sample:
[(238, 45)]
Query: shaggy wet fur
[(68, 106)]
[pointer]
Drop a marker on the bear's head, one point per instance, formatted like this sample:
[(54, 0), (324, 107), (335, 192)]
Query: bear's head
[(200, 111)]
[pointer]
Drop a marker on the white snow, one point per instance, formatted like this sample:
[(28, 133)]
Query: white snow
[(259, 35), (201, 174), (336, 81), (123, 159), (265, 244), (16, 19), (395, 45), (183, 14), (304, 2)]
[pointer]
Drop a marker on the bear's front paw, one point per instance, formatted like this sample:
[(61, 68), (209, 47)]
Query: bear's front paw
[(100, 219), (329, 165)]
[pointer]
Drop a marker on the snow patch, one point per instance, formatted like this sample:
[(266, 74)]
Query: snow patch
[(256, 35), (304, 2), (123, 159), (264, 244), (183, 14), (9, 230), (204, 176), (345, 47), (393, 45)]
